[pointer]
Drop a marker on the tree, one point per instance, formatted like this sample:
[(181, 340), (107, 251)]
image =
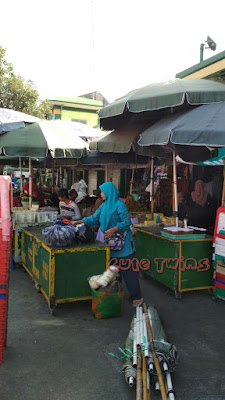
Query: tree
[(19, 95)]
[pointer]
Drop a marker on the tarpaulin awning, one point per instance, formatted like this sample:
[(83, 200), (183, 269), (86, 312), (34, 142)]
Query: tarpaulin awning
[(11, 119)]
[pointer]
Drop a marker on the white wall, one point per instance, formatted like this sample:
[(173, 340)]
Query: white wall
[(92, 180)]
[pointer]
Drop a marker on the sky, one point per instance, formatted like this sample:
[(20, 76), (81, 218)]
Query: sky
[(72, 47)]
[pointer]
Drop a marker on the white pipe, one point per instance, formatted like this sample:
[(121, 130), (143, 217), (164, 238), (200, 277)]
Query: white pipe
[(169, 381), (131, 381), (141, 325), (149, 316), (151, 367), (146, 339), (175, 186), (135, 343), (157, 388), (139, 329), (30, 185), (137, 317)]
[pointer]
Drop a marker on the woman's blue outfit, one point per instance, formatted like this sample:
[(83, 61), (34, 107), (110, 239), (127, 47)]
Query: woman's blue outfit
[(113, 212)]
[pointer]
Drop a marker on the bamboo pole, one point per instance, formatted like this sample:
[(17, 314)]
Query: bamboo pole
[(131, 182), (144, 377), (139, 376), (155, 359)]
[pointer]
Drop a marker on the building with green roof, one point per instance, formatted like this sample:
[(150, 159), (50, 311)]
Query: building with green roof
[(213, 68), (79, 109)]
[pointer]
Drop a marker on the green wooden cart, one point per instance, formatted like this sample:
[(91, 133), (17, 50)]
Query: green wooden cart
[(61, 274), (181, 265)]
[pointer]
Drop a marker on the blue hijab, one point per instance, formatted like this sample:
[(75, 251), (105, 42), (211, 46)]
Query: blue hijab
[(110, 204)]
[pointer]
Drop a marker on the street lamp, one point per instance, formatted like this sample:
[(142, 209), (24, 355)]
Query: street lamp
[(211, 45)]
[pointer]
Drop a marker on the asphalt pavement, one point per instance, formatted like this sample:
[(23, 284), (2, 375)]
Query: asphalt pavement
[(66, 357)]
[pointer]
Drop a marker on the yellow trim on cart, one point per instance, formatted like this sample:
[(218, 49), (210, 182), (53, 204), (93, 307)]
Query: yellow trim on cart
[(107, 257), (27, 233), (52, 276), (179, 269), (196, 288), (81, 249), (175, 240), (72, 299), (43, 292)]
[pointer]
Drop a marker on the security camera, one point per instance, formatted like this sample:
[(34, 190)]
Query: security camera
[(211, 43)]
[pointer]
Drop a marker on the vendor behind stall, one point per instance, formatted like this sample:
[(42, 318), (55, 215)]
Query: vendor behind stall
[(73, 194), (182, 208), (68, 208), (201, 207)]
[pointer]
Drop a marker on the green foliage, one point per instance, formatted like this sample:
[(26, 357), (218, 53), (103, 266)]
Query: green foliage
[(19, 95)]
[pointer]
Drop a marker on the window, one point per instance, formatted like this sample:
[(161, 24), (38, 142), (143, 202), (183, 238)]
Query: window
[(82, 121)]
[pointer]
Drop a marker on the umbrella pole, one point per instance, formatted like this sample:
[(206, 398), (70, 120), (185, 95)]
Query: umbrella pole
[(155, 359), (60, 177), (30, 184), (21, 180), (152, 186), (131, 182), (106, 174), (73, 175), (52, 175), (223, 194), (175, 189)]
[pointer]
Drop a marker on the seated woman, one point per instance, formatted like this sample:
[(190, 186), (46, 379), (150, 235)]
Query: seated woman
[(68, 208)]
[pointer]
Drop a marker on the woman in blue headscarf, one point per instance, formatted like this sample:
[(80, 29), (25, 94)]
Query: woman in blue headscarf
[(113, 217)]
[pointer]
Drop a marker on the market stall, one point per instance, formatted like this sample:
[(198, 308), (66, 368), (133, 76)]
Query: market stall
[(180, 133), (61, 274), (181, 264)]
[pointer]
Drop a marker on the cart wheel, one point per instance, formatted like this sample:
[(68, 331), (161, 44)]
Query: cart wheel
[(52, 309), (210, 291), (37, 287), (177, 295), (17, 265)]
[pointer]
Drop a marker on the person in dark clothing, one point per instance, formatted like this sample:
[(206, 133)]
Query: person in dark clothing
[(54, 201), (201, 207), (182, 208)]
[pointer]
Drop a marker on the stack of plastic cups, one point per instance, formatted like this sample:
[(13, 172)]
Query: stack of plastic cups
[(5, 250)]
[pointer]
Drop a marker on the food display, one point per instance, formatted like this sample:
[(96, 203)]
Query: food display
[(133, 205)]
